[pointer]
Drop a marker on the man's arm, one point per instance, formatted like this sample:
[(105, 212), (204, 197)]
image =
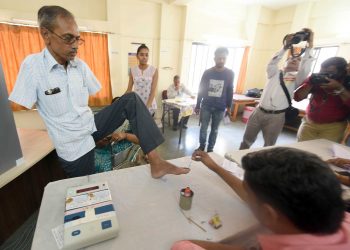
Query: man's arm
[(200, 92), (25, 91), (229, 93), (337, 88), (187, 91), (272, 67), (304, 67), (306, 61), (303, 91), (231, 180), (90, 80)]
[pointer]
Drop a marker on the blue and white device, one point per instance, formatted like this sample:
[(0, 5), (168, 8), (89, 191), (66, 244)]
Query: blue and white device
[(90, 216)]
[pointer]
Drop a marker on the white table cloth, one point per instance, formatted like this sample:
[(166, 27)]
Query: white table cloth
[(148, 211)]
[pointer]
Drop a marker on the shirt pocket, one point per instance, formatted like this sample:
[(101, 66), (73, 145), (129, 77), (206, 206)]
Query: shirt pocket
[(56, 104)]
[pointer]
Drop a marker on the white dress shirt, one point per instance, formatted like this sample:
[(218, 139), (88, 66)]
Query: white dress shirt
[(68, 118), (172, 92), (273, 97)]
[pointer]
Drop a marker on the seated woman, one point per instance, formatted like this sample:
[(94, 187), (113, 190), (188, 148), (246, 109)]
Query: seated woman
[(123, 139)]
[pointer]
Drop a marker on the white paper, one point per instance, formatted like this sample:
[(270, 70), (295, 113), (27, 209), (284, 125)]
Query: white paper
[(58, 235), (340, 152), (233, 168)]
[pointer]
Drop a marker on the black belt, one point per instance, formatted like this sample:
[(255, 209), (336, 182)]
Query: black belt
[(272, 111)]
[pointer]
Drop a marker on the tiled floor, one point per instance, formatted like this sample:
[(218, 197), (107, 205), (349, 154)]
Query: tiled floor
[(229, 139)]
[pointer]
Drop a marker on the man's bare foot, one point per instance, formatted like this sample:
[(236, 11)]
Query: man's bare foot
[(161, 167)]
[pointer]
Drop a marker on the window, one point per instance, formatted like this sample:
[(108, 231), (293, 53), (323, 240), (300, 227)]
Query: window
[(202, 58), (322, 54)]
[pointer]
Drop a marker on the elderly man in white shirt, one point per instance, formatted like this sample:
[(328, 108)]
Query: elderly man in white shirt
[(178, 90), (60, 84), (269, 116)]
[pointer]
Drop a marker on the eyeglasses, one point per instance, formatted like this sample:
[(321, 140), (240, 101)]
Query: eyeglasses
[(69, 39)]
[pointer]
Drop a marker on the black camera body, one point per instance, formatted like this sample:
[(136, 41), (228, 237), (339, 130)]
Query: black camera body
[(319, 78), (346, 82), (299, 37)]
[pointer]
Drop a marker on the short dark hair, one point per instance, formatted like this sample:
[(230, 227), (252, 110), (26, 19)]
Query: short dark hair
[(176, 77), (47, 16), (339, 62), (221, 50), (142, 46), (298, 184)]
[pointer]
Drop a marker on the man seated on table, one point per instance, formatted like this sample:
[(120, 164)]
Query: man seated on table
[(178, 90), (292, 193), (59, 84)]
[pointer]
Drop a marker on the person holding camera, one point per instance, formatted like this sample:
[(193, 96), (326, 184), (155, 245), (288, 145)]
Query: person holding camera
[(329, 107), (269, 116)]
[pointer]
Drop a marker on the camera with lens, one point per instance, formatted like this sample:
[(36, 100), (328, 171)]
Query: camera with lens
[(299, 37), (319, 78), (346, 82)]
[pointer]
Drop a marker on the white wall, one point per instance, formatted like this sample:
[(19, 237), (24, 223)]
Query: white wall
[(170, 29)]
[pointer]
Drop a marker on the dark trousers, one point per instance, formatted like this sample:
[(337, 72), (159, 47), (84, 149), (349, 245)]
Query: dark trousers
[(129, 107), (176, 113)]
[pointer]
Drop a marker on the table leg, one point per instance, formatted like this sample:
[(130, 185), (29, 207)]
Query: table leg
[(235, 111), (181, 125), (163, 116)]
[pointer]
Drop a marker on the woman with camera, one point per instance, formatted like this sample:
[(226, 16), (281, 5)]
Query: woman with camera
[(329, 107)]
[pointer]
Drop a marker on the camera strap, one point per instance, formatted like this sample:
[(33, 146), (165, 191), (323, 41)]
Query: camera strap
[(285, 90)]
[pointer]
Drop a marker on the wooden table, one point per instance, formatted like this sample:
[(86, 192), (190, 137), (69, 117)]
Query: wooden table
[(186, 106), (147, 209), (241, 100), (22, 186)]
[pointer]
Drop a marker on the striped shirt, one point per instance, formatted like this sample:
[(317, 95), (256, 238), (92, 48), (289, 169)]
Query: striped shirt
[(68, 118)]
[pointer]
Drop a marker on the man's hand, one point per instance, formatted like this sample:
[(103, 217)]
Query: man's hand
[(332, 85), (202, 156), (339, 162), (197, 110), (118, 136), (288, 41), (311, 37)]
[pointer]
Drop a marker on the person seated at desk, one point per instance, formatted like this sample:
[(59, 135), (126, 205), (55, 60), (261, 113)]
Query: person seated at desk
[(59, 84), (292, 193), (178, 90)]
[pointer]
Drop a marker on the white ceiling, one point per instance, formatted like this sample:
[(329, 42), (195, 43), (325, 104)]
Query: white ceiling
[(272, 4)]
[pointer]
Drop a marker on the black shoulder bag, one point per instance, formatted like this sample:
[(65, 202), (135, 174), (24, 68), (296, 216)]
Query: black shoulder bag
[(291, 112)]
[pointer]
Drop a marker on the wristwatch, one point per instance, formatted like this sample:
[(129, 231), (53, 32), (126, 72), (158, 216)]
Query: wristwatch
[(338, 91)]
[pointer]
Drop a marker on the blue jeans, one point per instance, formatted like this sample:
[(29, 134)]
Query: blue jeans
[(216, 116)]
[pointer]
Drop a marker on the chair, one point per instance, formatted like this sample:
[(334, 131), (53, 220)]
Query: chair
[(166, 109)]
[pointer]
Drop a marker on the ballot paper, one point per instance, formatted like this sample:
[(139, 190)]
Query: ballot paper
[(233, 168), (340, 152)]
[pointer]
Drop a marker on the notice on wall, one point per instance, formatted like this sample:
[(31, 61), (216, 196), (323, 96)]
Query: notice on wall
[(132, 61)]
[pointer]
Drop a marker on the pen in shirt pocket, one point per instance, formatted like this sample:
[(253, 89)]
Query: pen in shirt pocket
[(53, 91)]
